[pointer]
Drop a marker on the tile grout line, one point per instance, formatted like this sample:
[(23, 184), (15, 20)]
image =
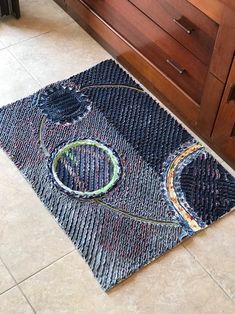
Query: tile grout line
[(45, 267), (16, 285), (210, 275), (22, 292), (33, 37), (23, 66), (9, 272), (23, 40), (28, 39)]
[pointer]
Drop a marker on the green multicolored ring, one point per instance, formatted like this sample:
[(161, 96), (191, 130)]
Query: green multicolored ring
[(87, 194)]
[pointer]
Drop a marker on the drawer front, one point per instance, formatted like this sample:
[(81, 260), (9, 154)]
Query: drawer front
[(157, 46), (188, 25)]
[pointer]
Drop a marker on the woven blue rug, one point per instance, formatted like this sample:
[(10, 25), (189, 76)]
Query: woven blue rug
[(123, 179)]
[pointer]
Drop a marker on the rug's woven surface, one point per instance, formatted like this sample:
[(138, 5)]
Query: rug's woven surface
[(123, 179)]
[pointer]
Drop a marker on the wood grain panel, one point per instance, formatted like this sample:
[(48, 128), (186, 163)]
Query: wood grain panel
[(212, 8), (224, 46), (210, 102), (223, 134), (229, 3)]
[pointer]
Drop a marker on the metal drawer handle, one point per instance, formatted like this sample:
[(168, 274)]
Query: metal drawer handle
[(176, 66), (182, 23), (231, 95)]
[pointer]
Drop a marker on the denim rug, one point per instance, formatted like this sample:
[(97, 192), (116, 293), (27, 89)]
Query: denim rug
[(124, 179)]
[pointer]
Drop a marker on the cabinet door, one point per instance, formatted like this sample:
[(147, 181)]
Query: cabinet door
[(224, 131)]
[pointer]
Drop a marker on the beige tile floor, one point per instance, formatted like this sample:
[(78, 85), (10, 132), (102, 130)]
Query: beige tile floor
[(40, 272)]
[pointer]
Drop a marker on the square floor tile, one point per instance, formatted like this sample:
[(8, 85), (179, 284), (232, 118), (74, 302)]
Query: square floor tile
[(13, 302), (37, 17), (214, 249), (6, 280), (173, 284), (15, 82), (59, 54)]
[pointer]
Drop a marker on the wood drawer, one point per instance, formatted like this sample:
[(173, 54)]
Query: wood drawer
[(188, 25), (164, 52)]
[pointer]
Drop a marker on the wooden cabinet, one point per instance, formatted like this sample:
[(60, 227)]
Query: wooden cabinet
[(182, 50), (188, 25), (223, 134)]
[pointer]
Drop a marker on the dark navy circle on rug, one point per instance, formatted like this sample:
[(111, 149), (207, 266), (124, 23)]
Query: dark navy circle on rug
[(64, 103)]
